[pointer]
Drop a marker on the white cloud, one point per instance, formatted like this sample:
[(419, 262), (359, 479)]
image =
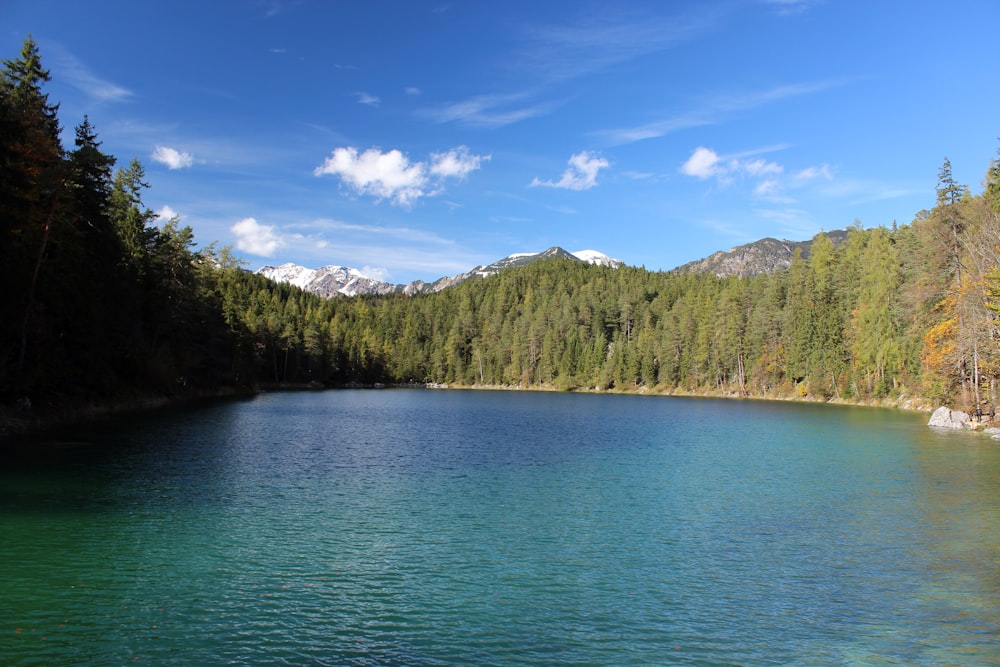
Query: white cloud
[(392, 176), (456, 163), (383, 175), (173, 158), (255, 238), (369, 100), (811, 173), (702, 164), (705, 163), (167, 214), (412, 90), (772, 190), (581, 175), (375, 272), (766, 188), (761, 168)]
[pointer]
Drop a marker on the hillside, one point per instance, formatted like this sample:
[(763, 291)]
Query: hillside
[(764, 256)]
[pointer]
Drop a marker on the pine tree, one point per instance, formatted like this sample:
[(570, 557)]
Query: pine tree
[(31, 185), (875, 326), (130, 217), (949, 194), (992, 189)]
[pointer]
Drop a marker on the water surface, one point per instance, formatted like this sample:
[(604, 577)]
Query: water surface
[(405, 527)]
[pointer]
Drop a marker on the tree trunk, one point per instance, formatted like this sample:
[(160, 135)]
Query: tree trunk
[(22, 353)]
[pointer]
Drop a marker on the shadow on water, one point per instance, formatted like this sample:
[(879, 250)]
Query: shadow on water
[(91, 466)]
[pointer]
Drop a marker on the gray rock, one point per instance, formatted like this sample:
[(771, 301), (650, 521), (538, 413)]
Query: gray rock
[(947, 418)]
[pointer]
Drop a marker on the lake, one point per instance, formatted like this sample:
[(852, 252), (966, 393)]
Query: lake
[(423, 527)]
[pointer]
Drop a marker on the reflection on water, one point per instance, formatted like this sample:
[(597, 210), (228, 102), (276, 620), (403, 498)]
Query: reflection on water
[(422, 527)]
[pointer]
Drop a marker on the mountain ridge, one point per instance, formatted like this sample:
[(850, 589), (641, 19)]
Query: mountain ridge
[(331, 281), (765, 255)]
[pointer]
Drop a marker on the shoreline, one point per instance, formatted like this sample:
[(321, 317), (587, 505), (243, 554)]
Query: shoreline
[(55, 414), (59, 413), (904, 403)]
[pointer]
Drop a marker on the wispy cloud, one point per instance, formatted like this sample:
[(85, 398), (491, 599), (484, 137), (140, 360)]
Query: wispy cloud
[(725, 228), (792, 7), (594, 42), (795, 222), (367, 99), (489, 111), (404, 234), (744, 101), (713, 110), (329, 241), (705, 163), (214, 149), (557, 52), (392, 176), (863, 192), (660, 128), (69, 68), (771, 181), (638, 175), (581, 174), (173, 158)]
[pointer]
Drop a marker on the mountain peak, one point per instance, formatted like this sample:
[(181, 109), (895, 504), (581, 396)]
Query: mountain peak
[(597, 257), (330, 281), (766, 255)]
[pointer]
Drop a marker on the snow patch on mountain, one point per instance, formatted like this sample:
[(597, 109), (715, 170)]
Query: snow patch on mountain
[(327, 281), (330, 281), (597, 257), (293, 274)]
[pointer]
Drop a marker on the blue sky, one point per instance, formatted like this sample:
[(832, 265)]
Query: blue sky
[(418, 139)]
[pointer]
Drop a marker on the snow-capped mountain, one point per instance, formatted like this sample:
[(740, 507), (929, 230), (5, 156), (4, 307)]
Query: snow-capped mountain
[(597, 257), (330, 281), (327, 281)]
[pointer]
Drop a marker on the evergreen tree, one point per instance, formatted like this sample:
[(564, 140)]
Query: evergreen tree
[(31, 185), (875, 327)]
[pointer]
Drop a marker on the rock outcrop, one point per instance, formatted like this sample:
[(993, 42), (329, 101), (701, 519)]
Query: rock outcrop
[(947, 418)]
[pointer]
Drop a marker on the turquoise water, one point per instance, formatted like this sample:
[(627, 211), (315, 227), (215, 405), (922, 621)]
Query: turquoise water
[(412, 527)]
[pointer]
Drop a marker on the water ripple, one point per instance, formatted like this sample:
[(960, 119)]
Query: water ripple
[(441, 528)]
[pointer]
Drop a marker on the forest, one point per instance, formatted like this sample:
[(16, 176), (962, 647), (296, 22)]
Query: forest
[(104, 303)]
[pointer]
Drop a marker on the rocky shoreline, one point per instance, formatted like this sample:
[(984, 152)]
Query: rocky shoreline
[(948, 419)]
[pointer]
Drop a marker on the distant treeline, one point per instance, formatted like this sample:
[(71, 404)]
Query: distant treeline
[(101, 303)]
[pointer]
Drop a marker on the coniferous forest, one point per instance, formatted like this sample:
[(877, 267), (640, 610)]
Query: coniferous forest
[(101, 303)]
